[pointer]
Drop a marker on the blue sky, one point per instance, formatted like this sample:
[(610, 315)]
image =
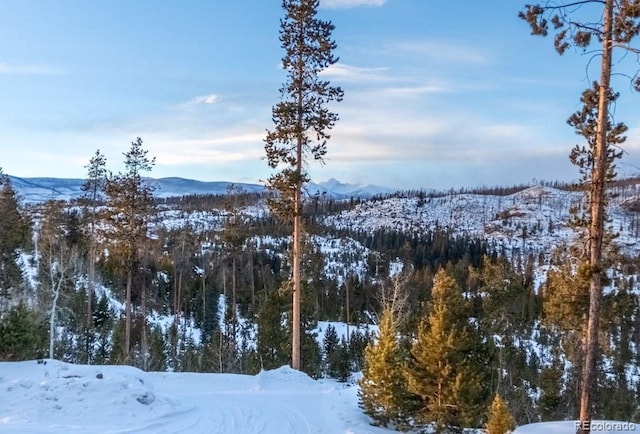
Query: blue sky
[(437, 94)]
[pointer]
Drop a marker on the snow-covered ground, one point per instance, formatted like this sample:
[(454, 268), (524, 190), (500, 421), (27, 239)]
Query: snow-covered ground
[(57, 397), (49, 396)]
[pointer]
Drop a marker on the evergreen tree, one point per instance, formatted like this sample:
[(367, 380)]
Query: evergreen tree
[(93, 191), (23, 335), (301, 122), (234, 235), (15, 230), (157, 349), (130, 205), (311, 352), (329, 344), (383, 395), (509, 308), (273, 344), (550, 403), (500, 420), (358, 342), (339, 362), (103, 326), (445, 369)]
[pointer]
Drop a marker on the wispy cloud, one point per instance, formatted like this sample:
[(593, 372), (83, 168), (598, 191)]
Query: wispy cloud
[(345, 72), (344, 4), (27, 69), (206, 99), (427, 88)]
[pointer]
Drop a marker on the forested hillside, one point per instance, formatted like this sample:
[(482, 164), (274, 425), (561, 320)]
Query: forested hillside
[(207, 278)]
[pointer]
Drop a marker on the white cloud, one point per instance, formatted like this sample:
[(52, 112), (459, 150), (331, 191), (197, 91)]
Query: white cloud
[(27, 70), (206, 99), (348, 72), (417, 90), (343, 4), (229, 148)]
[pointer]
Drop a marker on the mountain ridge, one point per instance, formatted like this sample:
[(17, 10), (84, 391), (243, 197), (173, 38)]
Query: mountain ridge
[(40, 189)]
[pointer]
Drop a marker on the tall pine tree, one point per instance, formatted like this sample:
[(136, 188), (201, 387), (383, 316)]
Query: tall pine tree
[(614, 24), (301, 122), (93, 192)]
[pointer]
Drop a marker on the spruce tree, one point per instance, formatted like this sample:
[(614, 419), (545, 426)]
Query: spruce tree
[(336, 355), (445, 370), (383, 395), (103, 325), (301, 122), (329, 345), (500, 419)]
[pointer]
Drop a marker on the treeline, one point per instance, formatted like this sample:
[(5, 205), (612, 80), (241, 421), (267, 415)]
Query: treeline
[(621, 183)]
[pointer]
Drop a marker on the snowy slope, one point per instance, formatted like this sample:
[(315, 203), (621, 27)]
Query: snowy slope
[(62, 398), (531, 221)]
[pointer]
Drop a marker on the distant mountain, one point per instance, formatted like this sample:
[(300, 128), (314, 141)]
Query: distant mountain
[(34, 190), (335, 188), (169, 187)]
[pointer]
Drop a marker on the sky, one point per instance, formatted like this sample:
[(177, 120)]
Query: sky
[(437, 94)]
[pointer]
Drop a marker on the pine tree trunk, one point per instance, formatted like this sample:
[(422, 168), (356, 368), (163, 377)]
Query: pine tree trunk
[(127, 323), (297, 256), (91, 271), (295, 320), (297, 221), (346, 287), (596, 227), (55, 287), (143, 340), (204, 290), (90, 285), (234, 300), (253, 282)]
